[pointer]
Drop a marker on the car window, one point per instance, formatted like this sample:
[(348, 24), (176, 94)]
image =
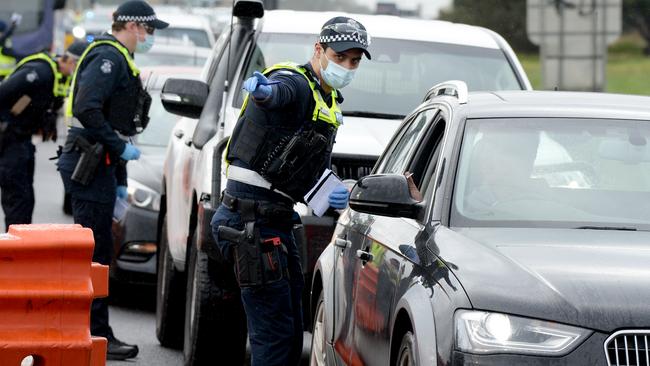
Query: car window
[(553, 172), (396, 158), (160, 124), (400, 73), (217, 52), (196, 37), (425, 160)]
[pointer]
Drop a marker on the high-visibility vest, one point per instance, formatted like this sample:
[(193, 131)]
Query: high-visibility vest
[(123, 50), (60, 87), (7, 64)]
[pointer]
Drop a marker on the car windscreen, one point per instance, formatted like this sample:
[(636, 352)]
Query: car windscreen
[(400, 72), (154, 58), (198, 37), (160, 124), (552, 172)]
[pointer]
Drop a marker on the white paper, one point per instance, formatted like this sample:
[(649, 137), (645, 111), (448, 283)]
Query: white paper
[(318, 197), (120, 209)]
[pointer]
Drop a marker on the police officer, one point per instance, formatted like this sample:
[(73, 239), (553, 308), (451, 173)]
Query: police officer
[(107, 105), (280, 146), (29, 100), (8, 56)]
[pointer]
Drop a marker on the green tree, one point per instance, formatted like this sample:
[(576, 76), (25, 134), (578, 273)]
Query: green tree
[(636, 16), (506, 17)]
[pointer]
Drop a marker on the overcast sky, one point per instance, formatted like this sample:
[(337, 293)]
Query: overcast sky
[(429, 7)]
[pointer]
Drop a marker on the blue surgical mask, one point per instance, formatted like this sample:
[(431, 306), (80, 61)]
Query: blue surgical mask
[(145, 46), (336, 75)]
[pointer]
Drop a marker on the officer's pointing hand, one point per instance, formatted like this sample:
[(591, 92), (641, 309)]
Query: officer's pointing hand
[(339, 197), (259, 86), (130, 152)]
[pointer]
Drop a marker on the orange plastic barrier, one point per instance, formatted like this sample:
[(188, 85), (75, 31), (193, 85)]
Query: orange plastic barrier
[(47, 283)]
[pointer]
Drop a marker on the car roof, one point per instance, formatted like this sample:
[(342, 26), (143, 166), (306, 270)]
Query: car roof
[(381, 26), (512, 104)]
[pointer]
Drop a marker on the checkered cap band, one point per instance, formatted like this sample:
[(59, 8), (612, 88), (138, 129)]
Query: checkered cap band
[(136, 18), (343, 38)]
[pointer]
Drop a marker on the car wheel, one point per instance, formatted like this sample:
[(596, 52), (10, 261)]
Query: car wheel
[(170, 296), (215, 322), (318, 355), (406, 355)]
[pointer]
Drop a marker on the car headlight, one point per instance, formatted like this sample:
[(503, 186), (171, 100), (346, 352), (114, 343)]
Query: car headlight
[(482, 332), (142, 196)]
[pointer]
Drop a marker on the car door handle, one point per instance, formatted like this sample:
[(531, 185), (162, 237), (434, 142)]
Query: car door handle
[(342, 243), (365, 256), (179, 133)]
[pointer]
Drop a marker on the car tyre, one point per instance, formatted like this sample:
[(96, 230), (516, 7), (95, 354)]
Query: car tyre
[(215, 321), (170, 296), (406, 355), (318, 354)]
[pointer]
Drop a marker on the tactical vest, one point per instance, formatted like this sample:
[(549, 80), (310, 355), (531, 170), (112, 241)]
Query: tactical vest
[(128, 110), (290, 157), (7, 64), (60, 87)]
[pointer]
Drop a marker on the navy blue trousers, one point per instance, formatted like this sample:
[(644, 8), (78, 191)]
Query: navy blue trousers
[(273, 311), (98, 216), (17, 181)]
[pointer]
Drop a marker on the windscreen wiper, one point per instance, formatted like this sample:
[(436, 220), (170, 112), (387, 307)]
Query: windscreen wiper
[(373, 115), (620, 228)]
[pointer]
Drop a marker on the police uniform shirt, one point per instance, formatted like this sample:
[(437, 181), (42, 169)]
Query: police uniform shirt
[(292, 99), (35, 80), (104, 72)]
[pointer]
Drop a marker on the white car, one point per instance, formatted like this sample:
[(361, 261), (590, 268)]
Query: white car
[(409, 56), (191, 29)]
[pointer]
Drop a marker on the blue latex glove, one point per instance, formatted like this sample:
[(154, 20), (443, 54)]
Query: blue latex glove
[(339, 197), (130, 152), (259, 86), (121, 192)]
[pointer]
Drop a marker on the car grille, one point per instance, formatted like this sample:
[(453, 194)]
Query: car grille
[(628, 347), (352, 167)]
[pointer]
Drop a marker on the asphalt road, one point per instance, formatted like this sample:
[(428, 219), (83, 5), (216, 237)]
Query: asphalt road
[(132, 313)]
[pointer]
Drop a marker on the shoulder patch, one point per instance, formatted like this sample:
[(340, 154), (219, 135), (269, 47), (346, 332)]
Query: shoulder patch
[(31, 76), (107, 66)]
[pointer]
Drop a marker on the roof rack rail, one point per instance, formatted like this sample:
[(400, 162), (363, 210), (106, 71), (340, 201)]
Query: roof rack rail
[(454, 88)]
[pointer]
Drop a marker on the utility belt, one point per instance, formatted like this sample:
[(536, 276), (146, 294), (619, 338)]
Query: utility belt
[(258, 260)]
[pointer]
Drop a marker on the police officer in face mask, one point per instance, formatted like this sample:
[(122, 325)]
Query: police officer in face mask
[(280, 146), (107, 105), (29, 100)]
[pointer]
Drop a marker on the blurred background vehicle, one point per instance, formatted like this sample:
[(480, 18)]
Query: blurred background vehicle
[(93, 22), (172, 53), (135, 235), (191, 29)]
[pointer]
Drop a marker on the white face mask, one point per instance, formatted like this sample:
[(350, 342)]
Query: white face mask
[(336, 75), (144, 46)]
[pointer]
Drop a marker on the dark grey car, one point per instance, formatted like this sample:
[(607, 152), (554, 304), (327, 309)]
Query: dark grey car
[(135, 234), (506, 228)]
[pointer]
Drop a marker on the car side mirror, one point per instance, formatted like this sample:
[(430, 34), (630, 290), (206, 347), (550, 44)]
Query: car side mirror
[(386, 195), (184, 97)]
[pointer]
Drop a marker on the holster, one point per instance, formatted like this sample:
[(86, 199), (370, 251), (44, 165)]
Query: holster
[(91, 156), (257, 260)]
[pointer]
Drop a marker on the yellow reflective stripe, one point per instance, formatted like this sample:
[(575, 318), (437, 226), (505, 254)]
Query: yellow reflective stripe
[(125, 52), (57, 85), (7, 64)]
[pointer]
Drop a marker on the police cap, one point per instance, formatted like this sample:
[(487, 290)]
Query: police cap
[(76, 49), (140, 12), (343, 33)]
